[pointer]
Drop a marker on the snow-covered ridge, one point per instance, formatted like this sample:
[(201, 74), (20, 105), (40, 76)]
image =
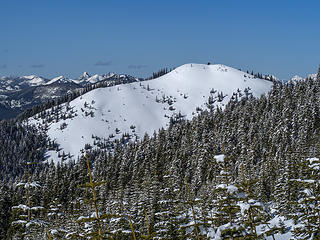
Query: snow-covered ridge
[(88, 79), (18, 83), (60, 79), (34, 80), (21, 93), (143, 107), (15, 83), (297, 78)]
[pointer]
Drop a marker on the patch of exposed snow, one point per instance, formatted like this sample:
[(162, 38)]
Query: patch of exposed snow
[(219, 158)]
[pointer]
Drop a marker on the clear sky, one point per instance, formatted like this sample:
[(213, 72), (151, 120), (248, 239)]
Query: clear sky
[(68, 37)]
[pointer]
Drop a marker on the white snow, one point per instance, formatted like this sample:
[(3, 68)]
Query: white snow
[(82, 218), (23, 222), (95, 78), (85, 75), (296, 78), (243, 207), (231, 189), (22, 207), (60, 79), (312, 76), (147, 106), (219, 158), (34, 80), (30, 77), (277, 221), (28, 185), (37, 208)]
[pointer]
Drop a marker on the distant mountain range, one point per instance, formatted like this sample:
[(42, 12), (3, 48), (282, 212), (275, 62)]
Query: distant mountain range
[(20, 93)]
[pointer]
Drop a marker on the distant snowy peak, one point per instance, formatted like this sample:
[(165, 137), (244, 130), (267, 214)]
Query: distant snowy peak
[(60, 79), (30, 77), (17, 83), (95, 78), (32, 80), (86, 79), (297, 78), (110, 74), (312, 76), (85, 75)]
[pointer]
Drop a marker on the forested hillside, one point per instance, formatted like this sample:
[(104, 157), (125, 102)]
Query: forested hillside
[(249, 171)]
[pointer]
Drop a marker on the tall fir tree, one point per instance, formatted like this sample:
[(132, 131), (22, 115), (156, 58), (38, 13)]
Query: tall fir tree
[(227, 213)]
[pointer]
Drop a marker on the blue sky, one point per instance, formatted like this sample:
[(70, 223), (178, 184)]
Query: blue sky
[(68, 37)]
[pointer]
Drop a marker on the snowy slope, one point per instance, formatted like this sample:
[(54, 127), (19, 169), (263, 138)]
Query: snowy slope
[(146, 106)]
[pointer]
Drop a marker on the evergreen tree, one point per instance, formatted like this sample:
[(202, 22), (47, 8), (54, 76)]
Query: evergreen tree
[(5, 210), (251, 209), (26, 219), (307, 216), (226, 215), (95, 228)]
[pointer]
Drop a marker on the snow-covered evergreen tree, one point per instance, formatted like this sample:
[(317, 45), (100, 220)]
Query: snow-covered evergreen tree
[(252, 210), (94, 223), (27, 220), (307, 216), (227, 211)]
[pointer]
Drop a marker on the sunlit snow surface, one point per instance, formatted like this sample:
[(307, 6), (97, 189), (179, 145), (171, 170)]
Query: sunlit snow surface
[(33, 80), (145, 105)]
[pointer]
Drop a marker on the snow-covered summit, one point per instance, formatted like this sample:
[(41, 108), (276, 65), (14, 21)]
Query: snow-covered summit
[(33, 80), (86, 79), (60, 79), (30, 76), (95, 78), (312, 76), (85, 75), (17, 83), (297, 78), (144, 107)]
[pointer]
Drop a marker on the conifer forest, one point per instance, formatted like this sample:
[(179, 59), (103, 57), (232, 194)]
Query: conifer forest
[(249, 170)]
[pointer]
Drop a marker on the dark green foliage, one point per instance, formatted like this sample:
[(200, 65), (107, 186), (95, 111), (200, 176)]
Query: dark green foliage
[(17, 143), (5, 210), (96, 230), (27, 218), (253, 212)]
